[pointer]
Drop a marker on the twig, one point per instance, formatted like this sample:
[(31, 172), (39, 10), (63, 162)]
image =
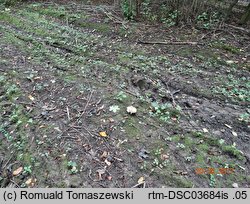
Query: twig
[(90, 96), (67, 108), (82, 134), (168, 43), (74, 126), (88, 100), (89, 174), (239, 28), (12, 181), (131, 93), (5, 165), (139, 184), (114, 18)]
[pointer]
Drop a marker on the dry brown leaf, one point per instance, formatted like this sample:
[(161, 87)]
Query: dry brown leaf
[(104, 154), (17, 171), (30, 182), (103, 134), (107, 162), (31, 98), (141, 180), (109, 178), (164, 156), (100, 173), (111, 120)]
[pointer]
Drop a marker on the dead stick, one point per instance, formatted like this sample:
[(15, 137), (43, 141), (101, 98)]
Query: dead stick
[(88, 100), (67, 108), (168, 43), (239, 28)]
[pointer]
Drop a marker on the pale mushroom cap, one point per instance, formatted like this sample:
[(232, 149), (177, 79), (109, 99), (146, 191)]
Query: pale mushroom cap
[(131, 109)]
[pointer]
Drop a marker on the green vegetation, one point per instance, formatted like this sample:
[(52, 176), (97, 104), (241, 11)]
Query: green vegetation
[(165, 111)]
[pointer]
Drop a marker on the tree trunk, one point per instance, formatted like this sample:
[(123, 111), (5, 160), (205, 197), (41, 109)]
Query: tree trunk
[(246, 16), (230, 9)]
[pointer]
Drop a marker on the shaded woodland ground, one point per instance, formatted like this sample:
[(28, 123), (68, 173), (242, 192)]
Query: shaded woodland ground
[(68, 72)]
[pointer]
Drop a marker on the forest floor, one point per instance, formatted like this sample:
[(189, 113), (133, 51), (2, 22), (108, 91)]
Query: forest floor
[(68, 72)]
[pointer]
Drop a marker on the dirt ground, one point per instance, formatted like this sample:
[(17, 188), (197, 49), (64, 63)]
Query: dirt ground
[(68, 72)]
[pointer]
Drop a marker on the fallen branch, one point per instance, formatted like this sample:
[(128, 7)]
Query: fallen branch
[(239, 28), (115, 18), (169, 43)]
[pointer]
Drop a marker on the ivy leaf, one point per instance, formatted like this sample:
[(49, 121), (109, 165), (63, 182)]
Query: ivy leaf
[(114, 108)]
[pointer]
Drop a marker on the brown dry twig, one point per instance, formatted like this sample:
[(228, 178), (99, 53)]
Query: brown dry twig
[(247, 31), (143, 185), (115, 18), (169, 43)]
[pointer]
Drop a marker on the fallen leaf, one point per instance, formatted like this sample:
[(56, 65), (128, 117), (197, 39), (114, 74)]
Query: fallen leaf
[(104, 154), (229, 61), (205, 130), (234, 134), (30, 182), (174, 119), (73, 169), (164, 156), (201, 141), (109, 178), (111, 120), (36, 78), (131, 110), (57, 129), (103, 134), (107, 162), (100, 173), (141, 180), (235, 185), (17, 171), (31, 98)]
